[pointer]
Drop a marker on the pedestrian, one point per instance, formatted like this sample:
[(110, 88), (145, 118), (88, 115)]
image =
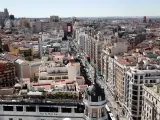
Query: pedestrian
[(117, 117)]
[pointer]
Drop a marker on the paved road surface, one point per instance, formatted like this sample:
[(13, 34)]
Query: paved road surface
[(111, 100)]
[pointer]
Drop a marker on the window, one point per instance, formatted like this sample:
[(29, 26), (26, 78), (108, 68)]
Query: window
[(50, 78), (141, 77), (135, 81), (102, 112), (154, 81), (7, 108), (10, 118), (135, 92), (66, 110), (139, 118), (135, 77), (57, 78), (20, 118), (19, 108), (135, 87), (141, 81), (48, 109), (65, 77), (134, 97), (30, 109), (94, 115)]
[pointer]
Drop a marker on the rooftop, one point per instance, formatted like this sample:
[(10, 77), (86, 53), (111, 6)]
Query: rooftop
[(155, 88), (127, 60), (9, 57)]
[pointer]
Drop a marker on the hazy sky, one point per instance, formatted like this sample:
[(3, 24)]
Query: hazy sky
[(80, 8)]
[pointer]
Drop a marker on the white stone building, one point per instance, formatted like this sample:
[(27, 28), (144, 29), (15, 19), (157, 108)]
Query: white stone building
[(151, 102), (134, 80)]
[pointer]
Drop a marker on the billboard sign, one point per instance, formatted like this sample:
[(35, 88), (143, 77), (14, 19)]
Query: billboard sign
[(69, 28)]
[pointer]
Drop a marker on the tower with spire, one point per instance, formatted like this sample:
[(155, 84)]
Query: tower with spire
[(95, 101)]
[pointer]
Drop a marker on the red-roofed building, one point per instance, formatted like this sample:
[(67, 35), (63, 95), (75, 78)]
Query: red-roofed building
[(123, 61)]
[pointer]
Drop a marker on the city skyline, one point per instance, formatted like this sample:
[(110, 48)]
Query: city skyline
[(101, 8)]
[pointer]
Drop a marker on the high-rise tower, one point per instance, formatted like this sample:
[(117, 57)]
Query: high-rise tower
[(6, 13)]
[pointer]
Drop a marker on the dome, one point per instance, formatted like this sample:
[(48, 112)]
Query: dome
[(95, 91)]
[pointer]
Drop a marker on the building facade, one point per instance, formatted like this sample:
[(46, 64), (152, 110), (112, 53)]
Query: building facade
[(134, 80), (151, 102), (3, 16), (7, 73)]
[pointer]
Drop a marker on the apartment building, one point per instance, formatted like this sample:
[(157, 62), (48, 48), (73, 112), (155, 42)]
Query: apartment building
[(91, 45), (60, 67), (121, 65), (45, 25), (151, 102), (134, 80), (98, 49), (107, 58), (7, 74), (27, 69), (25, 49)]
